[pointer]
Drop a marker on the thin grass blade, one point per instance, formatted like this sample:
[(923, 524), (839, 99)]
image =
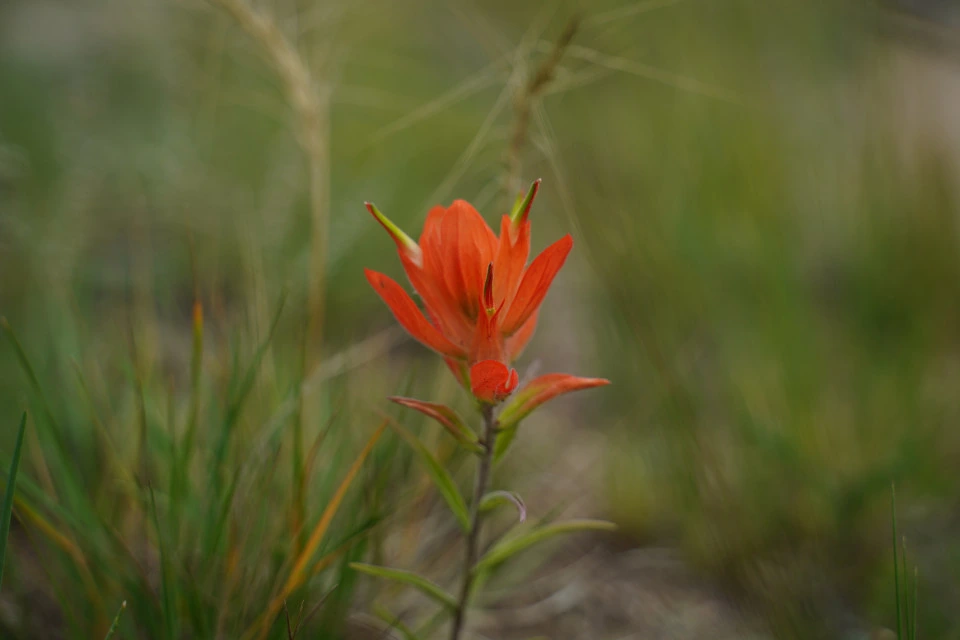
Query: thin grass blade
[(299, 570), (395, 623), (906, 587), (896, 562), (504, 550), (6, 511), (165, 581), (116, 621), (426, 587), (440, 476)]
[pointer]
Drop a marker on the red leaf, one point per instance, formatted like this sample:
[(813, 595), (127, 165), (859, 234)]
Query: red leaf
[(540, 390), (443, 414)]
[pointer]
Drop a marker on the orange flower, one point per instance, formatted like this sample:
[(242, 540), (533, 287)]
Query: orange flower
[(480, 296)]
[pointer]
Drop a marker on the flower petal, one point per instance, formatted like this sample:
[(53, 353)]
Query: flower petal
[(431, 228), (487, 341), (440, 308), (443, 414), (536, 281), (467, 246), (540, 390), (492, 381), (409, 316), (458, 368), (515, 344), (512, 256)]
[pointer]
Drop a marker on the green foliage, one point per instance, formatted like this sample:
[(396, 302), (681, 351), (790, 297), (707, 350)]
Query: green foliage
[(418, 582), (505, 549), (116, 621), (774, 293), (440, 477), (905, 597), (6, 507), (494, 499)]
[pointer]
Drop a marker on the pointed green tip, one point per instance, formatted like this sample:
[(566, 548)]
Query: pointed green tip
[(405, 243), (521, 209)]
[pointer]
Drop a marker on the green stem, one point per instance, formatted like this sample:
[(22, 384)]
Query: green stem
[(473, 537)]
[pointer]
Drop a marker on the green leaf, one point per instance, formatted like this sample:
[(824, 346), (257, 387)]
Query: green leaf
[(395, 623), (896, 562), (165, 580), (425, 586), (6, 512), (504, 440), (440, 477), (504, 550), (496, 498), (116, 621)]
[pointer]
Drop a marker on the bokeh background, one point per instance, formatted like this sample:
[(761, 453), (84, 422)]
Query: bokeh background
[(764, 202)]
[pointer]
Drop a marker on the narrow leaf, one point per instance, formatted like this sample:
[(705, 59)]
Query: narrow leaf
[(439, 475), (116, 621), (913, 606), (896, 562), (296, 577), (447, 417), (508, 548), (420, 583), (540, 390), (189, 437), (496, 498), (906, 587), (504, 440), (235, 405), (7, 509), (395, 623), (165, 587)]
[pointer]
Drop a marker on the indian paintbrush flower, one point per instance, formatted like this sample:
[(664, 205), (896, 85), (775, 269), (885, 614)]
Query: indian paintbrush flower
[(481, 298), (481, 304)]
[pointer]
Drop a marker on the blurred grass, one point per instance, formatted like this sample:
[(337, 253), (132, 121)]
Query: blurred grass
[(766, 267)]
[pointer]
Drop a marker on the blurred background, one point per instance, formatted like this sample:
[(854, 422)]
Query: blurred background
[(764, 203)]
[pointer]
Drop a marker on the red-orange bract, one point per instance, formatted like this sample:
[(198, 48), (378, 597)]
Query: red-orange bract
[(481, 298)]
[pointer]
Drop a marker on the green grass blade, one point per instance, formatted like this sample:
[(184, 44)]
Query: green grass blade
[(239, 397), (395, 623), (906, 587), (913, 606), (196, 361), (506, 549), (49, 427), (439, 475), (116, 621), (214, 534), (416, 581), (165, 581), (36, 387), (7, 510), (896, 562)]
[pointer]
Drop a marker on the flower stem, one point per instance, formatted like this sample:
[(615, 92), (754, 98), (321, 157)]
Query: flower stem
[(473, 537)]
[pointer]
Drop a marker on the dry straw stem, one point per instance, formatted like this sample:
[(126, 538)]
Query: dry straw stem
[(523, 105), (312, 110)]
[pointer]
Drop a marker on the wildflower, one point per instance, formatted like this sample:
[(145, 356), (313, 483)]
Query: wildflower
[(481, 298)]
